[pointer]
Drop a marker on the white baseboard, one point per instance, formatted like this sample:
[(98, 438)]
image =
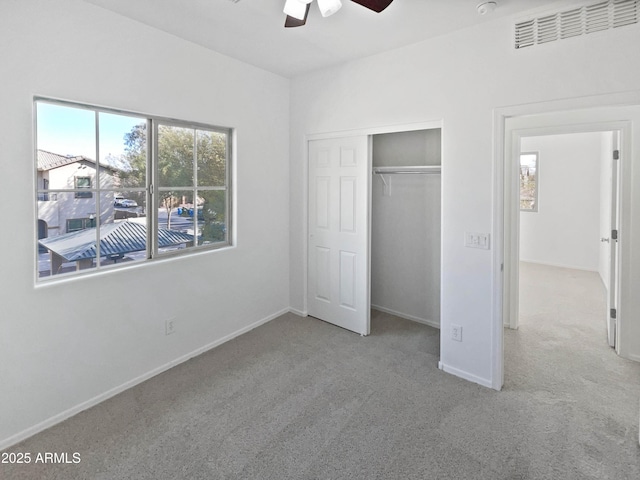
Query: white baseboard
[(465, 375), (300, 313), (50, 422), (559, 265), (413, 318), (635, 358)]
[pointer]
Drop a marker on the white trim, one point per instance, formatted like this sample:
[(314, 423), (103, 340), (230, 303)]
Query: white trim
[(500, 289), (559, 265), (60, 417), (305, 227), (300, 313), (406, 127), (635, 358), (498, 286), (512, 231), (465, 375), (406, 316), (368, 131)]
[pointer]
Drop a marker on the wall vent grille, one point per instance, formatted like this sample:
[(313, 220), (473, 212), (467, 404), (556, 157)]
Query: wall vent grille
[(577, 21)]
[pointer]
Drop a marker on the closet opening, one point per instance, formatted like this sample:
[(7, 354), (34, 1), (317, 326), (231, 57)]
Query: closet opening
[(405, 237)]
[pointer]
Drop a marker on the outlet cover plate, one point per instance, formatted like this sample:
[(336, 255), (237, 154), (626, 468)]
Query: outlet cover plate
[(456, 333), (170, 326)]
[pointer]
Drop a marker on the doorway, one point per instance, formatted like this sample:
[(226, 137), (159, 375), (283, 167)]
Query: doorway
[(406, 225), (569, 116), (569, 208), (344, 173)]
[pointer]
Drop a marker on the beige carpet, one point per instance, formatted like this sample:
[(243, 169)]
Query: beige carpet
[(298, 398)]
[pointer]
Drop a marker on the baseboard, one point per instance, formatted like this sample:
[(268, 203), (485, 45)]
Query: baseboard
[(465, 375), (559, 265), (23, 435), (413, 318), (300, 313), (635, 358)]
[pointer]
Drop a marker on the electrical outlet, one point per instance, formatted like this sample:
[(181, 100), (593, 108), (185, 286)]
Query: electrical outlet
[(170, 326), (456, 333)]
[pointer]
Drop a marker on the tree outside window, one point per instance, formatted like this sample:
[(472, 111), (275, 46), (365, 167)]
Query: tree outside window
[(529, 182)]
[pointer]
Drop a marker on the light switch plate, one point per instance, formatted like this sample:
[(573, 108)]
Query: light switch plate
[(476, 240)]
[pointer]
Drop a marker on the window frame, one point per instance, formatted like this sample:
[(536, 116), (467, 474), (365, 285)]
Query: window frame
[(86, 223), (82, 192), (155, 182), (536, 193), (150, 189)]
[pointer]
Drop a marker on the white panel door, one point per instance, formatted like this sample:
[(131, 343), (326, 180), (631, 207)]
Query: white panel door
[(338, 260), (612, 294)]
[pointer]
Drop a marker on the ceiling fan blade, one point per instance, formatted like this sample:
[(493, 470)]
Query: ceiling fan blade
[(375, 5), (294, 22)]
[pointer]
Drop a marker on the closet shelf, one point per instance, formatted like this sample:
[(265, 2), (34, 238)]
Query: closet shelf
[(421, 169)]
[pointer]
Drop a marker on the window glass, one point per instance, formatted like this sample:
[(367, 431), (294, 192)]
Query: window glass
[(65, 131), (81, 184), (191, 216), (213, 214), (66, 234), (96, 193), (212, 158), (529, 182), (123, 228), (123, 148), (175, 156)]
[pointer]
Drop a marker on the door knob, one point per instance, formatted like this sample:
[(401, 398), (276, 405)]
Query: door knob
[(603, 239)]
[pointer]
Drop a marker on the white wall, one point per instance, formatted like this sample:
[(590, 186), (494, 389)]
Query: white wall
[(405, 228), (68, 343), (408, 149), (565, 231), (459, 78)]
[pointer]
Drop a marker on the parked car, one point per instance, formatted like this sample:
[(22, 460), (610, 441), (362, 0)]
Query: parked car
[(125, 203)]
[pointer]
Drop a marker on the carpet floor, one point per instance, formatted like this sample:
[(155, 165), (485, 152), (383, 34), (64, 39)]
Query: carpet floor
[(298, 398)]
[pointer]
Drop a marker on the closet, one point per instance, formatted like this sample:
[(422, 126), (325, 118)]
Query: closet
[(405, 225)]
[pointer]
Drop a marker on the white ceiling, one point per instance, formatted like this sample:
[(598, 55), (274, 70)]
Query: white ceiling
[(253, 30)]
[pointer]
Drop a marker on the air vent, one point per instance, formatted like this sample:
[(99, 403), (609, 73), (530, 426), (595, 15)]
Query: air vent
[(577, 21)]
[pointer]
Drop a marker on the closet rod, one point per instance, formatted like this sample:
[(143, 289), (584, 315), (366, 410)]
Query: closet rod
[(426, 169)]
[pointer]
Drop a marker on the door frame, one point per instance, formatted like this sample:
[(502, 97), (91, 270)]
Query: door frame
[(580, 111), (368, 131), (512, 254)]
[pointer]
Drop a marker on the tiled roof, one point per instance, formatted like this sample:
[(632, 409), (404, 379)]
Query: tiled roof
[(115, 239), (49, 161)]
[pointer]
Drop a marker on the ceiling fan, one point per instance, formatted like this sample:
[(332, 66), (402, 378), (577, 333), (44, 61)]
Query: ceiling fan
[(297, 10)]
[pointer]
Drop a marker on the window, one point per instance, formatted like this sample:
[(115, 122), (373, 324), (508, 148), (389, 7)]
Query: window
[(138, 187), (529, 174), (83, 183), (75, 224)]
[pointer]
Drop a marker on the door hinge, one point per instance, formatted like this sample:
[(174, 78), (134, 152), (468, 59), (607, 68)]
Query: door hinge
[(616, 154), (614, 234), (613, 313)]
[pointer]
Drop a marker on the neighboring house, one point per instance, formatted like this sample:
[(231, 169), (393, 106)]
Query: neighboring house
[(66, 212)]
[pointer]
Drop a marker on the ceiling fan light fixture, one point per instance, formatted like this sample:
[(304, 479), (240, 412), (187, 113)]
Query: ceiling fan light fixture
[(329, 7), (296, 8)]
